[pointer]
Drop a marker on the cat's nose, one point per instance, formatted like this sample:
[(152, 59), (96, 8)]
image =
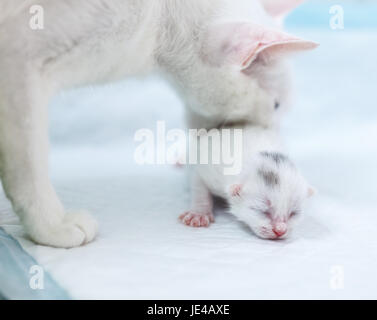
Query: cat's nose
[(280, 229)]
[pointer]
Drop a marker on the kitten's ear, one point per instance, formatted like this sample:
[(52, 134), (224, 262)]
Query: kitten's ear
[(240, 44), (280, 8), (235, 190)]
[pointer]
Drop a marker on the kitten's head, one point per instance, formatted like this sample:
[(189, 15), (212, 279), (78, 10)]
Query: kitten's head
[(244, 74), (270, 199)]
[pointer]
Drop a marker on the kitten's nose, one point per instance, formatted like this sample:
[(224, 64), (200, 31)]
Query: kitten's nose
[(280, 229)]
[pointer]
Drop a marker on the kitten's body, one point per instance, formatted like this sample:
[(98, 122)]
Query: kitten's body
[(267, 194), (84, 42), (254, 140)]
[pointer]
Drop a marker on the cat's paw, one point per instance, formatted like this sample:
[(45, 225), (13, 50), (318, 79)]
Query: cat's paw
[(85, 222), (76, 229), (197, 220)]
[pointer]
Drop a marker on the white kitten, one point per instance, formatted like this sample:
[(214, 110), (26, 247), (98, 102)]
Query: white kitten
[(223, 56), (268, 195)]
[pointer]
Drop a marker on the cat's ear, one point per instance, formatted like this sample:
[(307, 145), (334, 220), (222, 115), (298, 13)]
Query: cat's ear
[(235, 190), (280, 8), (240, 44)]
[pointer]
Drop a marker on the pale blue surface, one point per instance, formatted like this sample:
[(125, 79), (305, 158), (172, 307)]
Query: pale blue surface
[(15, 264)]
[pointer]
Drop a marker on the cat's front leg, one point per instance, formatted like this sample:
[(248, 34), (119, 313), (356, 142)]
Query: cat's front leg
[(201, 212), (24, 168)]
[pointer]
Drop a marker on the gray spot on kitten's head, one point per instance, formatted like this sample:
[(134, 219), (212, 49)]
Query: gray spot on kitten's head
[(276, 157), (269, 177)]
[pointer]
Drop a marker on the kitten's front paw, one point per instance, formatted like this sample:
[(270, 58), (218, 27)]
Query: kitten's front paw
[(75, 230), (197, 220)]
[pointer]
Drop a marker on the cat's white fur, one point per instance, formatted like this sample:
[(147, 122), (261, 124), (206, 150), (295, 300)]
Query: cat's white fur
[(268, 194), (93, 41)]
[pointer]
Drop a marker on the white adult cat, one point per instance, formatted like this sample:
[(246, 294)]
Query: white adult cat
[(223, 56)]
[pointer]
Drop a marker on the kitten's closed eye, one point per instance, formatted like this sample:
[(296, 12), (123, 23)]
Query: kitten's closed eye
[(261, 211), (277, 105), (294, 213), (267, 213)]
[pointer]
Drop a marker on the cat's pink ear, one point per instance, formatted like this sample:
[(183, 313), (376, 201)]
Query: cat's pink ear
[(241, 44), (280, 8), (235, 190)]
